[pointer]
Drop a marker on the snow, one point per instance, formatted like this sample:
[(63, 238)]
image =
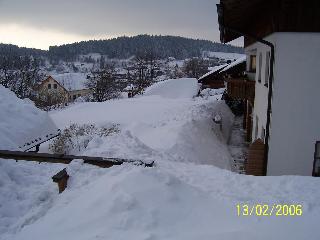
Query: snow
[(189, 194), (213, 70), (207, 92), (174, 88), (235, 63), (72, 81), (223, 55), (21, 121)]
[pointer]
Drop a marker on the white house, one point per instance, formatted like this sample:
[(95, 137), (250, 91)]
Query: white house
[(282, 44)]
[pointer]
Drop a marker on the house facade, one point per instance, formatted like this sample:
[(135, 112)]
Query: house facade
[(50, 87), (68, 86), (281, 41)]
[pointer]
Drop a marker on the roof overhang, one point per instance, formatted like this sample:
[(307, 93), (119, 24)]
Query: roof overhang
[(235, 15)]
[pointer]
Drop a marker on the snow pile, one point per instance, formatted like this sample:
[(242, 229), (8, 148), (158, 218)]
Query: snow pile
[(72, 81), (171, 201), (132, 203), (157, 128), (27, 192), (21, 121), (174, 88)]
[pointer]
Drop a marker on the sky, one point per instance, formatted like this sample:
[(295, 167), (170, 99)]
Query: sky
[(44, 23)]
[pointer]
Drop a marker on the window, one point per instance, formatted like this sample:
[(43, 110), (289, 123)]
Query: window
[(252, 66), (266, 80), (256, 128), (316, 163), (55, 86), (260, 66), (49, 86)]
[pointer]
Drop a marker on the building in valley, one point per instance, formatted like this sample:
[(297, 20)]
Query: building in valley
[(68, 86), (216, 77), (281, 90)]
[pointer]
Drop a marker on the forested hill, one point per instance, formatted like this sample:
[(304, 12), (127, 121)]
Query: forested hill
[(13, 50), (125, 47)]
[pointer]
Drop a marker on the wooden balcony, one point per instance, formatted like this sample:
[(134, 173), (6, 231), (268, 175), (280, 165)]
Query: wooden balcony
[(241, 89)]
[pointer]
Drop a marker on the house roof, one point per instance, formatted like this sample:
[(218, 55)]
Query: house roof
[(235, 63), (214, 70), (71, 81)]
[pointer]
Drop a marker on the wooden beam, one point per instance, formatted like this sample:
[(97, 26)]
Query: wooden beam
[(66, 159)]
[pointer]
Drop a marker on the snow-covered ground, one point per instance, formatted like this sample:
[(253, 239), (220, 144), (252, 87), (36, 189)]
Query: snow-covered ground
[(223, 55), (189, 194)]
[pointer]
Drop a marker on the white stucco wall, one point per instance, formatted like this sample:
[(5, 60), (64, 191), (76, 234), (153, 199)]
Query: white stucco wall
[(295, 121), (296, 104)]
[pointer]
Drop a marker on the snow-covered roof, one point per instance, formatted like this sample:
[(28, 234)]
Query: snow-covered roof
[(129, 87), (213, 70), (71, 81), (235, 63)]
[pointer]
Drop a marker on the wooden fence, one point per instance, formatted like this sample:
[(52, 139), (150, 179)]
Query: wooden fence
[(241, 89), (255, 160)]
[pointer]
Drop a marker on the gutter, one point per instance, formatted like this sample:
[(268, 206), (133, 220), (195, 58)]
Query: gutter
[(270, 86)]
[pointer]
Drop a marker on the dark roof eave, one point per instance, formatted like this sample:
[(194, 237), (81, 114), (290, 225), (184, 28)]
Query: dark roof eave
[(226, 34)]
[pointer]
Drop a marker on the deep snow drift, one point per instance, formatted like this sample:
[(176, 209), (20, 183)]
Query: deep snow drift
[(174, 88), (21, 121), (184, 197)]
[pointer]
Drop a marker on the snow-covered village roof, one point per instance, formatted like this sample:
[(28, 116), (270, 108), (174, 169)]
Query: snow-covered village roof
[(224, 67), (213, 70), (235, 63), (71, 81)]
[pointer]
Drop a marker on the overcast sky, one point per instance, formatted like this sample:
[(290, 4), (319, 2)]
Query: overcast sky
[(42, 23)]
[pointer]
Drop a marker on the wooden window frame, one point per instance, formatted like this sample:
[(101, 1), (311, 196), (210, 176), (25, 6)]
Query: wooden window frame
[(252, 68)]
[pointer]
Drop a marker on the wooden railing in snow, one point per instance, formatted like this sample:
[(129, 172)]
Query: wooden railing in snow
[(66, 159), (242, 89), (61, 178)]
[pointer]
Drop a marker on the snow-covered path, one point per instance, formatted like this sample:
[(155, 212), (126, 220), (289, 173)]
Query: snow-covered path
[(157, 125)]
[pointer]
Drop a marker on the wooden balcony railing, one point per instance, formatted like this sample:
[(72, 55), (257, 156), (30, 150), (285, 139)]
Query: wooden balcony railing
[(241, 89)]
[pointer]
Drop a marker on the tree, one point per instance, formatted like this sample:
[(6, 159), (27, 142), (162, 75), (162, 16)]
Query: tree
[(20, 74), (104, 84), (47, 99)]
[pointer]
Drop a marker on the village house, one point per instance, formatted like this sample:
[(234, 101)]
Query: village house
[(213, 79), (281, 90), (216, 77), (68, 86)]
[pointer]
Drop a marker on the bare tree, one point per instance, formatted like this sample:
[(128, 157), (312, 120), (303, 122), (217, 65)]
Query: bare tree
[(103, 84)]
